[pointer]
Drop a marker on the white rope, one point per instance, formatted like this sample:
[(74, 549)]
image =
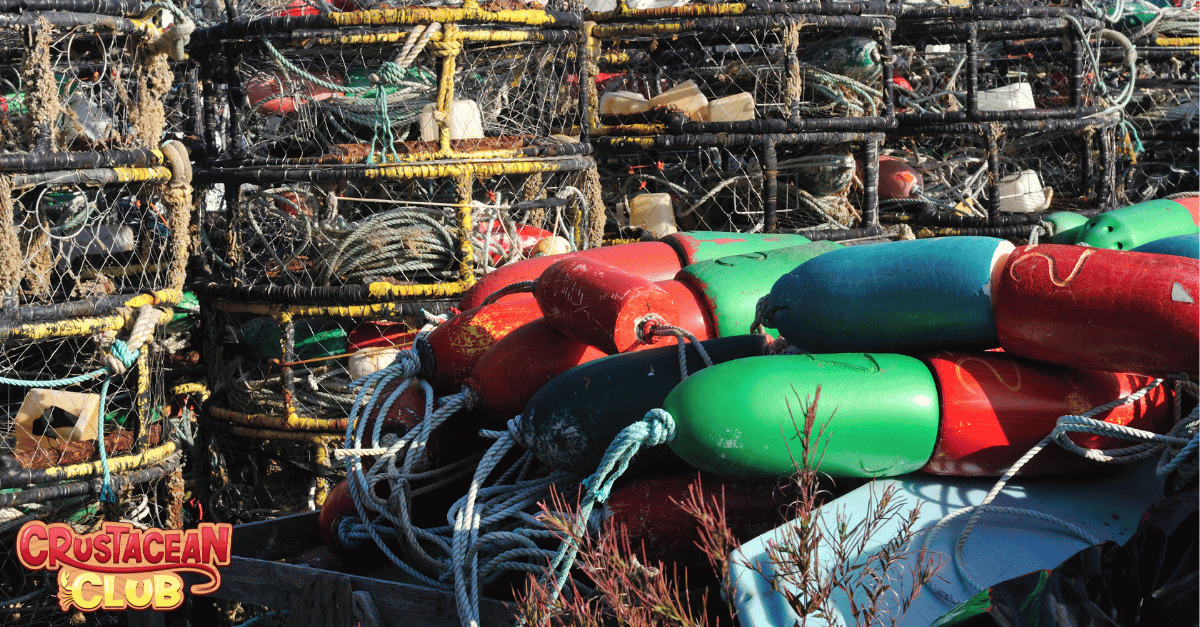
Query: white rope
[(1176, 447)]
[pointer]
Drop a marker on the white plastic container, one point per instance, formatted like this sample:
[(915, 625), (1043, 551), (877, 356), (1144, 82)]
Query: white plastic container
[(466, 121), (623, 103), (100, 240), (599, 6), (686, 96), (85, 120), (369, 360), (1014, 97), (735, 108), (84, 407), (653, 212), (1022, 193)]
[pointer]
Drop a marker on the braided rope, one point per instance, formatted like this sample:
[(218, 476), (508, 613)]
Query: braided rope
[(1184, 448)]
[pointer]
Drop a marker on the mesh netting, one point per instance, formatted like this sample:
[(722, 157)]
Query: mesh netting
[(378, 89), (255, 477), (1028, 68), (806, 184), (61, 396), (802, 68), (404, 232), (982, 172)]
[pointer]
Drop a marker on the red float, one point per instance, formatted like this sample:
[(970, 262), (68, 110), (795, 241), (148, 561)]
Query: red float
[(653, 261), (449, 352), (694, 314), (273, 93), (897, 179), (1102, 309), (600, 305), (339, 504), (527, 237), (648, 509), (509, 374), (996, 407)]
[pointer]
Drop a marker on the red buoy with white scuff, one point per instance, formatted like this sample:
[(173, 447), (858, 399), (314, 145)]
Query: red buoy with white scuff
[(654, 261), (995, 407), (449, 352), (897, 179), (1100, 309), (601, 305)]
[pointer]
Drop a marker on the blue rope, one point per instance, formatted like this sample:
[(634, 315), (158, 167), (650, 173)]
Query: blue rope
[(126, 355), (54, 383), (657, 427), (106, 492)]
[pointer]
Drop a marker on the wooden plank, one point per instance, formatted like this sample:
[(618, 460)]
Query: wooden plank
[(279, 585), (277, 538)]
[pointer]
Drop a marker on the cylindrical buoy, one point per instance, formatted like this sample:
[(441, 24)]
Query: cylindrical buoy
[(696, 246), (733, 285), (694, 314), (905, 297), (741, 419), (1100, 309), (1178, 245), (513, 370), (1132, 226), (1067, 226), (449, 352), (571, 421), (649, 511), (601, 305), (995, 407), (654, 261), (339, 504)]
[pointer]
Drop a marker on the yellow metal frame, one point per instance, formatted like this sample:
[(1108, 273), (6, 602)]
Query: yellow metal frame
[(82, 327), (448, 45), (293, 422), (321, 442), (463, 171)]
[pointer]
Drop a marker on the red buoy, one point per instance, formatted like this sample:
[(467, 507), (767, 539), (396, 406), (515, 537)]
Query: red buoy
[(509, 374), (339, 504), (601, 305), (649, 511), (995, 407), (897, 179), (527, 237), (653, 261), (449, 352), (1100, 309), (694, 314)]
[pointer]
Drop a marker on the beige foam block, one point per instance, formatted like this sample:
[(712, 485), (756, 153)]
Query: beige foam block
[(623, 103), (735, 108), (653, 212), (686, 96), (85, 407), (466, 121)]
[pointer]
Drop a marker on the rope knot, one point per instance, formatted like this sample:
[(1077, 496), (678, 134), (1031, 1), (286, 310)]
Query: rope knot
[(121, 357), (660, 427), (762, 315), (444, 48), (348, 531)]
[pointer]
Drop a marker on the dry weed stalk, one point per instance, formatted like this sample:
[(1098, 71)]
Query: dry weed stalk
[(880, 587)]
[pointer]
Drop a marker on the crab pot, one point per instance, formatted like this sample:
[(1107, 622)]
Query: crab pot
[(80, 81), (999, 179), (377, 233), (737, 69), (1000, 64), (289, 367), (395, 84), (794, 182), (52, 467)]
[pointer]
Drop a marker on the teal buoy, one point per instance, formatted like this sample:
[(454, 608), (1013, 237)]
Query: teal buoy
[(902, 297)]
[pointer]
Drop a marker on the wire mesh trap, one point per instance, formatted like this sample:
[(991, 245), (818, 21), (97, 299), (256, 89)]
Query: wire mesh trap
[(994, 175), (402, 87), (85, 438), (770, 72), (820, 183), (373, 234), (1047, 66)]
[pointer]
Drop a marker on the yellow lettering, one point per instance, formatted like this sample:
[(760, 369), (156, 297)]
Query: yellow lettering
[(110, 601), (77, 591), (139, 601), (167, 595)]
